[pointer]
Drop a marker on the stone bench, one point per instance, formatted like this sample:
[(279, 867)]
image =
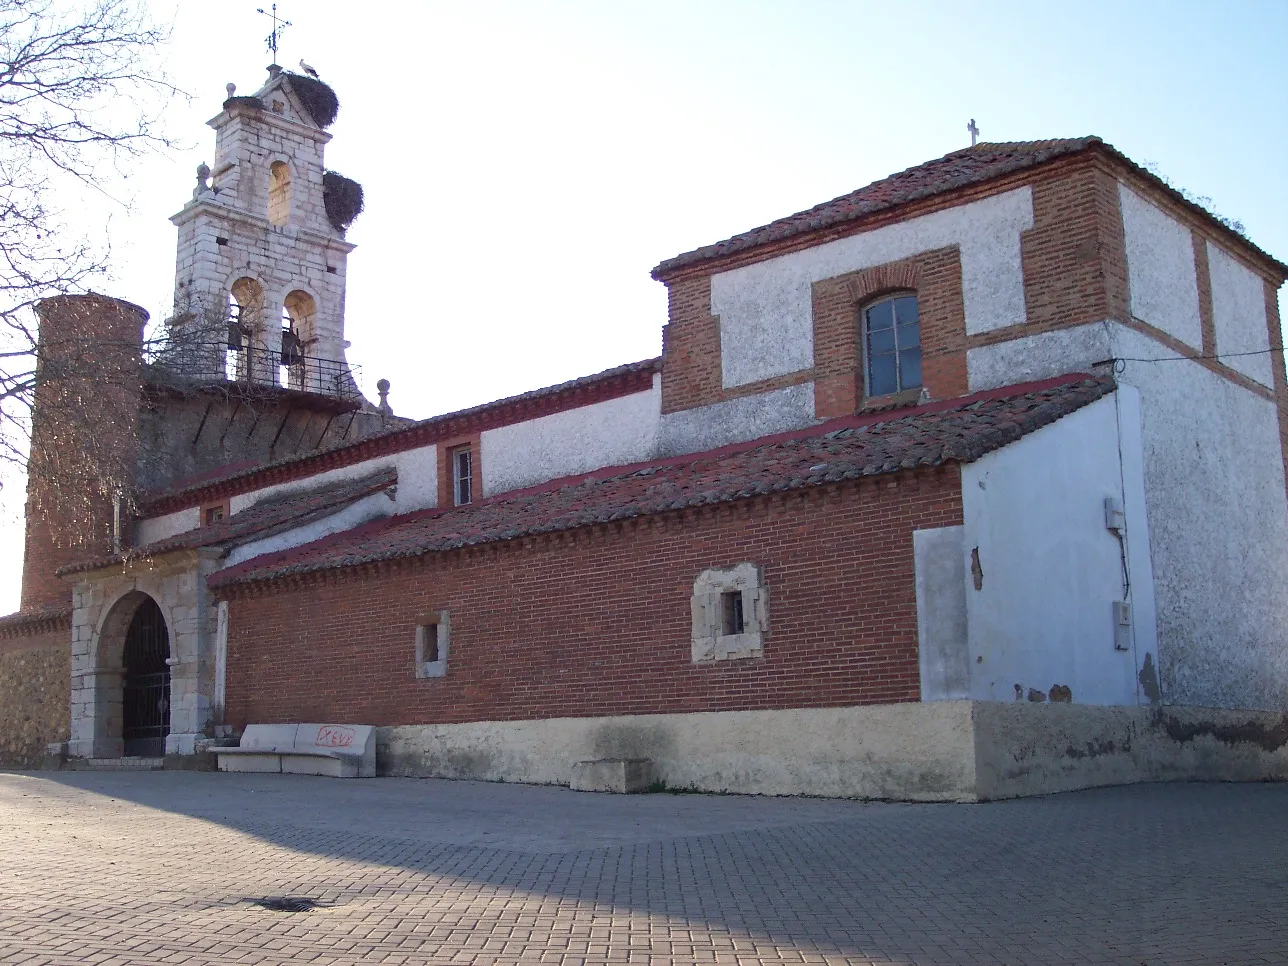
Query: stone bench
[(341, 751)]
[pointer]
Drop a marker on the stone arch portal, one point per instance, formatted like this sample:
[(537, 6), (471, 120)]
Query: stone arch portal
[(129, 698)]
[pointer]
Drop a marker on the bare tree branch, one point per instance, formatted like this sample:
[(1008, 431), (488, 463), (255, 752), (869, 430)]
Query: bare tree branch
[(81, 97)]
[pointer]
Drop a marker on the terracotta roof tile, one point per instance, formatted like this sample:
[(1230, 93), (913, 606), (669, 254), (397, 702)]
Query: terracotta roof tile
[(969, 166), (265, 518), (959, 430), (241, 477)]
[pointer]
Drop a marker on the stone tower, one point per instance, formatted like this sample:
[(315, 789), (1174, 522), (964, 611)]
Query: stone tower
[(263, 240), (256, 368)]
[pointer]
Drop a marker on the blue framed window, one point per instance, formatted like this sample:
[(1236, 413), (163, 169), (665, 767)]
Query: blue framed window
[(892, 345)]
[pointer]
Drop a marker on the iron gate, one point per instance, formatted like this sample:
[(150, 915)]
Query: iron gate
[(146, 684)]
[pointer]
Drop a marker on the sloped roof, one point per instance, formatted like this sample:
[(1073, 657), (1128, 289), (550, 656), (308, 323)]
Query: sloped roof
[(243, 477), (265, 518), (969, 166), (960, 430)]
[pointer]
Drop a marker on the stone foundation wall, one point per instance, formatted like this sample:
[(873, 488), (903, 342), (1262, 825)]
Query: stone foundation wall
[(961, 751), (35, 677)]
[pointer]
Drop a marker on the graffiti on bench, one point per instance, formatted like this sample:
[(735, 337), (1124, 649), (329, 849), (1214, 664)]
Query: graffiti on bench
[(334, 736)]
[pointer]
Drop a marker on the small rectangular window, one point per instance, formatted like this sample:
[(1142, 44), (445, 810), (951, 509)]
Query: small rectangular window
[(462, 475), (433, 641), (732, 622), (213, 514), (429, 638)]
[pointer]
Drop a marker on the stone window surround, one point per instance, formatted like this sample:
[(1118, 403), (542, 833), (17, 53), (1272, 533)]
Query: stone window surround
[(442, 622), (709, 642)]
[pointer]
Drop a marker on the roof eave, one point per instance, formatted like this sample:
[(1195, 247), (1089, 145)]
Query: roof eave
[(686, 264)]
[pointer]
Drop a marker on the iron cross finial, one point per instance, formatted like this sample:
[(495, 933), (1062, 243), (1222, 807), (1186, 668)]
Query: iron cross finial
[(974, 131), (278, 26)]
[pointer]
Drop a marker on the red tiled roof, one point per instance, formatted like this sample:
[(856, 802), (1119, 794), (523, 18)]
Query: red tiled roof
[(265, 518), (960, 169), (609, 384), (960, 430)]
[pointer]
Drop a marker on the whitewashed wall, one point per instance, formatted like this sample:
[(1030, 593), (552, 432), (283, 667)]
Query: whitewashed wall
[(417, 480), (1218, 517), (1239, 316), (737, 420), (372, 507), (166, 526), (1160, 269), (765, 310), (1048, 568), (609, 433), (1217, 511)]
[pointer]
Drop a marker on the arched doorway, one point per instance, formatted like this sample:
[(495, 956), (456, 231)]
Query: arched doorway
[(145, 683)]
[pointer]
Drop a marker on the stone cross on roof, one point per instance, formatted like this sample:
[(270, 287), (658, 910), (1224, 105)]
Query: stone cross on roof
[(974, 131)]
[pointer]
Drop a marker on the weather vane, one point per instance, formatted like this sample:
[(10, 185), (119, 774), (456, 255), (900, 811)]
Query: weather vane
[(278, 27)]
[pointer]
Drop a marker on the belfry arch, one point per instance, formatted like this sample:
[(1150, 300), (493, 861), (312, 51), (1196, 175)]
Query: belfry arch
[(299, 325)]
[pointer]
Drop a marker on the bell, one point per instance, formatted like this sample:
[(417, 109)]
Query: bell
[(291, 355), (234, 336)]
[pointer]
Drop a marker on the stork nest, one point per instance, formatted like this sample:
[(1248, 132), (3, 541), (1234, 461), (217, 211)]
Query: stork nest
[(343, 199), (318, 98)]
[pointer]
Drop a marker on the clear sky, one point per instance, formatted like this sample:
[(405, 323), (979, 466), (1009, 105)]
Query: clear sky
[(527, 163)]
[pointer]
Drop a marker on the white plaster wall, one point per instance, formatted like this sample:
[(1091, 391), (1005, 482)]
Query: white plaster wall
[(417, 480), (765, 310), (737, 420), (373, 507), (609, 433), (1160, 269), (163, 527), (1049, 568), (1218, 518), (1213, 480), (1239, 316), (1039, 356)]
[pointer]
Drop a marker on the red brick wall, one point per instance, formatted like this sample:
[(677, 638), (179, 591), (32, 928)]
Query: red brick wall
[(598, 622), (85, 417)]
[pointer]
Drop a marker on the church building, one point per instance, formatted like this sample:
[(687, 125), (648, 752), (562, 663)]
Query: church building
[(969, 484)]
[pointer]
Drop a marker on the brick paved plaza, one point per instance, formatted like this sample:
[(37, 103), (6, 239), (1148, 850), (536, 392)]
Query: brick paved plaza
[(122, 868)]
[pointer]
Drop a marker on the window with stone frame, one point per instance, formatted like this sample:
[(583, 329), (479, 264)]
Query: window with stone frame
[(730, 613), (433, 637), (891, 345)]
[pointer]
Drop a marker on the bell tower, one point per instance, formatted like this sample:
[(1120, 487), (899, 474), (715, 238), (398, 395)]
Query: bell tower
[(260, 273)]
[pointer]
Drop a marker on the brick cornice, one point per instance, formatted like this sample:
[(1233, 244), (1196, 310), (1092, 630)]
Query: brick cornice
[(25, 624)]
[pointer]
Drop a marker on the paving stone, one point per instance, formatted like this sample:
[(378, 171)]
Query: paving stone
[(133, 868)]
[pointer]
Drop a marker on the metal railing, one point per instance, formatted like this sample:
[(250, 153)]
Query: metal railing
[(255, 367)]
